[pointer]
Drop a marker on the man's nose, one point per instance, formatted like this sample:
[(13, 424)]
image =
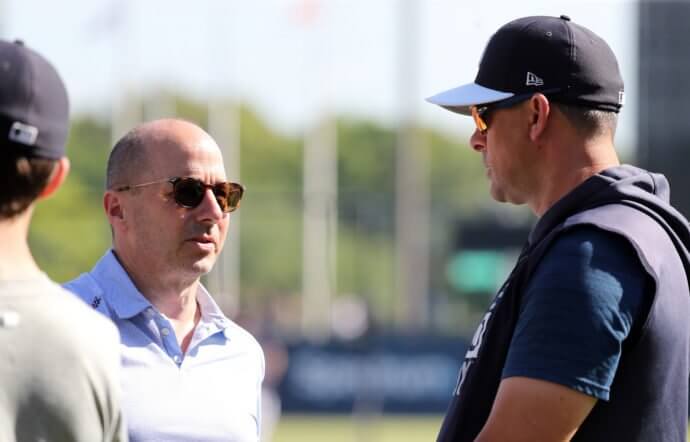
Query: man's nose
[(209, 209), (478, 140)]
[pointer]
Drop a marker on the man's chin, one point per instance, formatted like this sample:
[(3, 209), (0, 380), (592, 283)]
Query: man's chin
[(497, 194), (200, 260), (201, 263), (204, 265)]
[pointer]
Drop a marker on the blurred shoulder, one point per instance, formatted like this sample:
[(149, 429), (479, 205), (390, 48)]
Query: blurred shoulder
[(76, 312)]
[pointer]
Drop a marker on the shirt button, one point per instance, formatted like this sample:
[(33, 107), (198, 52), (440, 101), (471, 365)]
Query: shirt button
[(148, 312), (176, 358), (165, 332)]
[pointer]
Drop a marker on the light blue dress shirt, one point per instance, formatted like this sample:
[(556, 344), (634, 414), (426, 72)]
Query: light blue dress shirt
[(211, 393)]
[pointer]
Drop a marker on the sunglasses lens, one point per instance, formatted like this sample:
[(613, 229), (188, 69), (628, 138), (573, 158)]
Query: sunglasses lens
[(228, 195), (189, 192), (478, 120)]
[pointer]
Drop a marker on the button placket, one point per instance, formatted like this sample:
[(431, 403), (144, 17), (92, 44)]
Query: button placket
[(169, 340)]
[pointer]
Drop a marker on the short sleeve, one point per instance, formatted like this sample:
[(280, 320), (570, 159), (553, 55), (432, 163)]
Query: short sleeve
[(577, 310)]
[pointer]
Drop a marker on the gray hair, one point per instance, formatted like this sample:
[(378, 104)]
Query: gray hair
[(589, 122), (126, 159)]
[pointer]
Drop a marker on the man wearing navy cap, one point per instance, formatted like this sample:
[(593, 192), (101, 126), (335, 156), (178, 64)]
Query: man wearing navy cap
[(588, 339), (60, 360)]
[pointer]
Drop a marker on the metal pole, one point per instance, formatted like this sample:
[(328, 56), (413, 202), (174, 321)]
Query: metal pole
[(412, 186), (126, 110), (319, 228), (159, 105), (224, 126), (320, 192), (224, 279)]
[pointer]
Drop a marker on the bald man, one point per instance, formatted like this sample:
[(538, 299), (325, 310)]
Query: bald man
[(189, 372)]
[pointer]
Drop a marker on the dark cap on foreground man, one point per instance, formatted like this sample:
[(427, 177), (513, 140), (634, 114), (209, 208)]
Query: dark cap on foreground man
[(588, 337), (60, 360)]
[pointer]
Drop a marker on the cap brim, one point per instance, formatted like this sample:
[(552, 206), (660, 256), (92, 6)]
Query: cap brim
[(460, 99)]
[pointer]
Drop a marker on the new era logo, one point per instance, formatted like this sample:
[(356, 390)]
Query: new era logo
[(533, 80)]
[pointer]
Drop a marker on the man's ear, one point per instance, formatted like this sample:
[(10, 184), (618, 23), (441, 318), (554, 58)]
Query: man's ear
[(57, 177), (540, 109), (112, 203)]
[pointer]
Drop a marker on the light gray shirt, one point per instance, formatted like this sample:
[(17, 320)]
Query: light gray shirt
[(59, 367)]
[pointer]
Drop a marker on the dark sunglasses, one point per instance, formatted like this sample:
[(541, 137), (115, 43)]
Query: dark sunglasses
[(481, 113), (189, 192)]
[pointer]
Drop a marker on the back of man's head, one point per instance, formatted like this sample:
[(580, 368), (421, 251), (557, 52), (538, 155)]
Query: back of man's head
[(34, 121)]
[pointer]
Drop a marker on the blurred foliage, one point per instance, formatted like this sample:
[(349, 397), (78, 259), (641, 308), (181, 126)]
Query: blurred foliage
[(70, 232)]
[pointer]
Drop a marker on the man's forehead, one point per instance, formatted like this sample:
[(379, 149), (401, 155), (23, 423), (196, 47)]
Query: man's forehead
[(172, 134), (200, 146), (187, 164), (191, 158), (216, 170)]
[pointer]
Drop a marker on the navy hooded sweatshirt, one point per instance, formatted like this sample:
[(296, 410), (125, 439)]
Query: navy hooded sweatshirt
[(648, 399)]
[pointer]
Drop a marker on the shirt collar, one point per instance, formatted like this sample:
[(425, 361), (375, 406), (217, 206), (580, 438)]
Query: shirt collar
[(127, 301), (123, 296), (211, 314)]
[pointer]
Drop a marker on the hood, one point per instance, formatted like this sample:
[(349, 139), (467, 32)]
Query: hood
[(629, 185)]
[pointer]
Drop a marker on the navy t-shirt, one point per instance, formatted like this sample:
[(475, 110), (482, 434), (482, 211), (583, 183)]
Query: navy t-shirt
[(577, 311)]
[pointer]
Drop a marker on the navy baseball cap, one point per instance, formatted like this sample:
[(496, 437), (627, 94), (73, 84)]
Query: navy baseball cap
[(34, 108), (551, 55)]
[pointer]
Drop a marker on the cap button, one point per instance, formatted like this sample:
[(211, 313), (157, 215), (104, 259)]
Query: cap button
[(19, 42), (565, 17)]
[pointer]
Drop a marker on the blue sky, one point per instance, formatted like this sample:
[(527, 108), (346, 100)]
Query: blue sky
[(294, 60)]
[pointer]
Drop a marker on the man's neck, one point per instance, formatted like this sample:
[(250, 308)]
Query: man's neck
[(178, 304), (570, 169), (182, 310), (16, 261), (174, 297)]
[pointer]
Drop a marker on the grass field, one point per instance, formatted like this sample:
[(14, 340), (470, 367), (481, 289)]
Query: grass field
[(298, 428), (303, 428)]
